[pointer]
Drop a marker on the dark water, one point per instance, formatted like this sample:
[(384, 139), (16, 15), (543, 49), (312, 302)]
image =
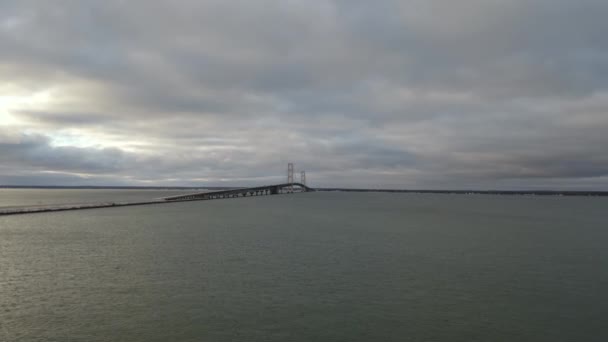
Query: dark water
[(310, 267)]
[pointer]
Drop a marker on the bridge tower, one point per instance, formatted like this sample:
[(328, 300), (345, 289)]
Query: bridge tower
[(290, 176), (303, 177)]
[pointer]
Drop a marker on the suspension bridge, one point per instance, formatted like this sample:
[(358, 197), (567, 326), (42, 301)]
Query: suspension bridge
[(290, 187)]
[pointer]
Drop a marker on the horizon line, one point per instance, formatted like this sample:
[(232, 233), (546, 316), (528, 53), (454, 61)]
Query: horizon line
[(346, 189)]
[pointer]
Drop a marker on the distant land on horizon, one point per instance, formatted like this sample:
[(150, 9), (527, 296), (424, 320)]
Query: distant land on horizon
[(422, 191), (126, 187)]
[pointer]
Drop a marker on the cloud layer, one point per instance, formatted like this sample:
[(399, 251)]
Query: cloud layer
[(392, 93)]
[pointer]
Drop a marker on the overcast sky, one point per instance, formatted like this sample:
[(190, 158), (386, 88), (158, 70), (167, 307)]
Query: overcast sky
[(502, 94)]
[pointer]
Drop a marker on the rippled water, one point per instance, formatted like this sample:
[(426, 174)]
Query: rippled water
[(310, 267)]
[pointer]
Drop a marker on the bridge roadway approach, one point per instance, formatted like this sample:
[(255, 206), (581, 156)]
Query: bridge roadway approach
[(231, 193), (244, 192)]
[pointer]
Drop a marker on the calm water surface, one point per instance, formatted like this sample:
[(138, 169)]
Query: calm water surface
[(44, 197), (310, 267)]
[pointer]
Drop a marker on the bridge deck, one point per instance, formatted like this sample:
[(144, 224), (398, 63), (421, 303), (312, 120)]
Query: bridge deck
[(242, 192), (231, 193)]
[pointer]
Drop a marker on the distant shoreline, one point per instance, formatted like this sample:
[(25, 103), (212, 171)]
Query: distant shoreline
[(109, 187), (414, 191), (477, 192)]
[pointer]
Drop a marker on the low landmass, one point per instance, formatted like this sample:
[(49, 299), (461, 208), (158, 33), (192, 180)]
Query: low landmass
[(421, 191), (478, 192)]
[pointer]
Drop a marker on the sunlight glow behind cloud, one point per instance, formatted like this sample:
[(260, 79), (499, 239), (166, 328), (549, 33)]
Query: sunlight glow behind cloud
[(402, 94)]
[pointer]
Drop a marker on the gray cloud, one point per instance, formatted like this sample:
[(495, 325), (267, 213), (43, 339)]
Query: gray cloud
[(35, 152), (416, 93)]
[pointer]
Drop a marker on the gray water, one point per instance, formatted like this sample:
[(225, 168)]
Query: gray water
[(310, 267), (10, 198)]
